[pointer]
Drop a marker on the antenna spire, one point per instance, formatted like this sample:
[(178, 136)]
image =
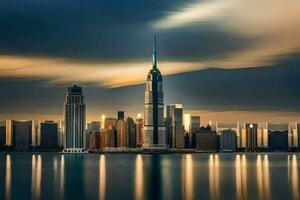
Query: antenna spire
[(154, 53)]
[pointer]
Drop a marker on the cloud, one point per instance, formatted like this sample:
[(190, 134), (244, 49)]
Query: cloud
[(273, 26)]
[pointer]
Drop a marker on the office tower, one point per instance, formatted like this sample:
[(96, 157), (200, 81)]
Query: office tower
[(93, 126), (74, 120), (278, 136), (94, 140), (122, 134), (131, 133), (139, 131), (293, 135), (61, 128), (109, 121), (227, 140), (103, 134), (194, 127), (36, 133), (111, 137), (174, 117), (22, 135), (251, 136), (206, 139), (230, 127), (49, 135), (262, 136), (2, 134), (9, 132), (154, 129), (121, 115)]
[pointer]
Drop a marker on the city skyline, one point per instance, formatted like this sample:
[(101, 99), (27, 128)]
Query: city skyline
[(205, 56)]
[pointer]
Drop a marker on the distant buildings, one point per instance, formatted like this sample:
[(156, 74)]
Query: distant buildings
[(2, 134), (250, 136), (227, 140), (131, 133), (278, 137), (22, 132), (206, 139), (74, 113), (139, 124), (49, 135), (121, 115), (154, 129), (175, 126)]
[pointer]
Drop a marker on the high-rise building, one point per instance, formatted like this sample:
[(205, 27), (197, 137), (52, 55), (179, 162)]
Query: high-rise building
[(22, 133), (121, 115), (2, 134), (94, 140), (194, 127), (111, 137), (122, 134), (174, 117), (230, 127), (74, 120), (131, 133), (206, 139), (139, 131), (93, 126), (49, 135), (154, 129), (262, 136), (110, 121), (251, 136), (293, 133), (278, 138), (227, 140)]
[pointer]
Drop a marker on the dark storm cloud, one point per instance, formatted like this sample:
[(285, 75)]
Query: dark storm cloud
[(109, 30)]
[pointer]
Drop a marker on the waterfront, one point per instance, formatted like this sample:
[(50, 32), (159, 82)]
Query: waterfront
[(141, 176)]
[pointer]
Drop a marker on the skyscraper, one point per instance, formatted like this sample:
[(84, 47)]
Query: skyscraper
[(154, 129), (139, 131), (49, 135), (74, 140), (121, 115), (174, 117), (251, 136)]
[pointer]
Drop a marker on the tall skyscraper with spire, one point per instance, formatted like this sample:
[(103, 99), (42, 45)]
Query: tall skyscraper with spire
[(154, 128)]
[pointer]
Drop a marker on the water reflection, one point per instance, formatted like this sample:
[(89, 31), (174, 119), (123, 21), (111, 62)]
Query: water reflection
[(62, 175), (241, 176), (102, 177), (214, 177), (139, 178), (36, 176), (263, 177), (188, 178), (293, 176), (8, 178)]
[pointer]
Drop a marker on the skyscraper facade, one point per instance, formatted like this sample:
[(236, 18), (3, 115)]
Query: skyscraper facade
[(49, 135), (174, 117), (74, 113), (154, 128)]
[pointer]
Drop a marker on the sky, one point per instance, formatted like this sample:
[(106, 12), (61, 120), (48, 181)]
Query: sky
[(227, 60)]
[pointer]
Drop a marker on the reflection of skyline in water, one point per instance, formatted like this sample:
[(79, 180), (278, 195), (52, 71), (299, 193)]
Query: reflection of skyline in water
[(8, 178), (36, 176), (214, 176), (263, 177), (241, 176), (102, 177), (293, 176), (189, 176), (139, 178)]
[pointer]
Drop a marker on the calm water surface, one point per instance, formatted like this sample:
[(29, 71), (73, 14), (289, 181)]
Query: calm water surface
[(131, 176)]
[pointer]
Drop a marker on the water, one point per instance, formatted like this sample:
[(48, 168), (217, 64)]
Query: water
[(131, 176)]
